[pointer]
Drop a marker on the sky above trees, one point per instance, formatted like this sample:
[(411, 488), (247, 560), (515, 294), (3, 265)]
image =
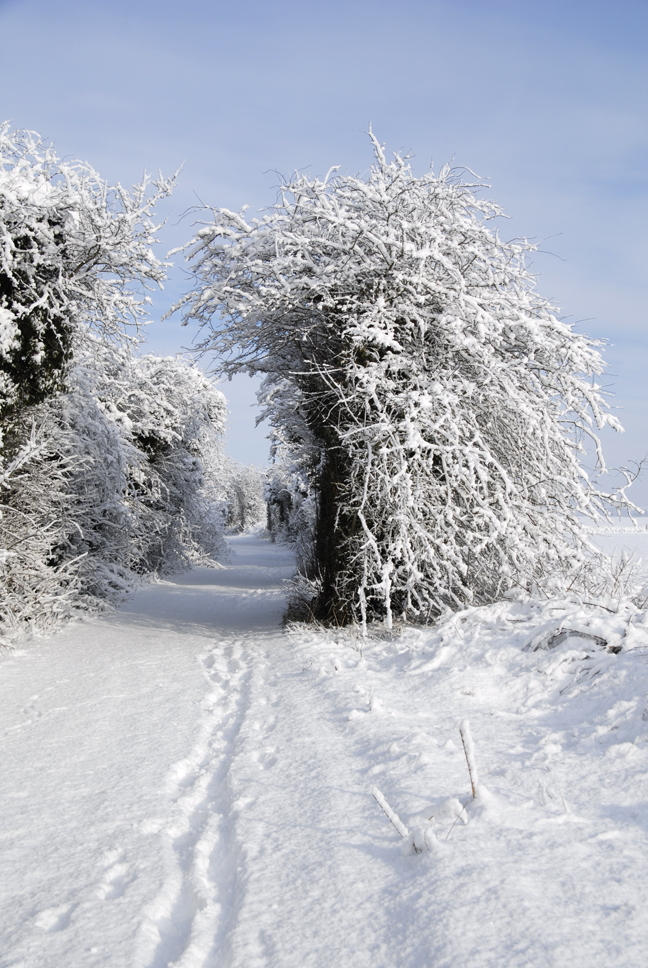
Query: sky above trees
[(546, 101)]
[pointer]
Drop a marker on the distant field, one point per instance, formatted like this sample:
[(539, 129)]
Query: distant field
[(614, 540)]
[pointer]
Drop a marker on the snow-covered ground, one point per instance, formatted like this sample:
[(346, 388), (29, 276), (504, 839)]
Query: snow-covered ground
[(185, 782), (615, 541)]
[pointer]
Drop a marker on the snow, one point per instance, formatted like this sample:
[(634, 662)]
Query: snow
[(186, 782), (615, 541)]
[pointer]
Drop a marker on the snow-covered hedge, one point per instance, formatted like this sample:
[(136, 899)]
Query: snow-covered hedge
[(171, 420), (110, 485), (103, 455)]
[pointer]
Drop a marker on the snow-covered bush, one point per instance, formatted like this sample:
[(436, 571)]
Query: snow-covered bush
[(291, 512), (435, 402), (102, 455), (35, 592), (75, 254), (65, 528), (110, 485), (173, 419)]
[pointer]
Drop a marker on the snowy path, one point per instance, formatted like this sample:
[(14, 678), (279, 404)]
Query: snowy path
[(102, 726), (184, 783)]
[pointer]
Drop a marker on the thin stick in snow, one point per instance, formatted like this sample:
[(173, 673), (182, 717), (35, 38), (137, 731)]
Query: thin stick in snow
[(463, 807), (391, 814), (469, 750)]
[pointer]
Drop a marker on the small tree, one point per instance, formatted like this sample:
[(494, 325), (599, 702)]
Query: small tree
[(170, 419), (436, 403)]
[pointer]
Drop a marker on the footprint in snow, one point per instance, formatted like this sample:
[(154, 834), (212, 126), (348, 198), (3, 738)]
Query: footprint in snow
[(55, 919), (31, 709), (218, 679), (265, 761), (117, 877)]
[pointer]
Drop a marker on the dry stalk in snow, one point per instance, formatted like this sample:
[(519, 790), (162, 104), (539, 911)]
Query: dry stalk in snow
[(469, 750), (463, 807), (391, 815)]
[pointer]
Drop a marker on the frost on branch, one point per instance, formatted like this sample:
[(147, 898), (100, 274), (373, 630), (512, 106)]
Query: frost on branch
[(434, 403)]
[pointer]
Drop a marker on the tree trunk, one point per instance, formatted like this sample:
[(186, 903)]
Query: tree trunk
[(331, 548)]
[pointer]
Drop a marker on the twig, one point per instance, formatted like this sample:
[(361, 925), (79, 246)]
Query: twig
[(469, 750), (456, 818), (598, 605)]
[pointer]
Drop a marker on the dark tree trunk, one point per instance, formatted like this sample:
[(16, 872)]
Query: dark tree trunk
[(331, 546)]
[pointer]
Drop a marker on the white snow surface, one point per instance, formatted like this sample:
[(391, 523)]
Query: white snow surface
[(187, 783)]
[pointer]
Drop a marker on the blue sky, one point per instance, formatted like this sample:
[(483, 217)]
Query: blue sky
[(548, 101)]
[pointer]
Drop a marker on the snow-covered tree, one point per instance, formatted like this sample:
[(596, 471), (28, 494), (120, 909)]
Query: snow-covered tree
[(173, 415), (75, 256), (291, 507), (109, 463), (34, 592), (170, 420), (436, 403), (246, 505)]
